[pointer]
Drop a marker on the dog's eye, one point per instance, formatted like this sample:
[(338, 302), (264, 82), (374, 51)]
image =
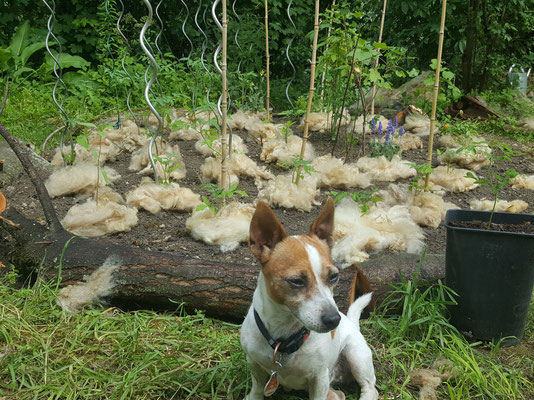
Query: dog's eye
[(296, 282), (333, 277)]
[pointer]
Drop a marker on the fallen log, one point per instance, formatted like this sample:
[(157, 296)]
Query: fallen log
[(162, 280)]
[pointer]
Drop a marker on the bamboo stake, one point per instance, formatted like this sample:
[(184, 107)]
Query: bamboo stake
[(376, 61), (224, 101), (312, 87), (267, 72), (436, 89)]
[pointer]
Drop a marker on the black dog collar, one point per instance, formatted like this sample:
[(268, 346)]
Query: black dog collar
[(289, 345)]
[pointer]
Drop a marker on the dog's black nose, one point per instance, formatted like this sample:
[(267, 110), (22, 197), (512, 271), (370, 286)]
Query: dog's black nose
[(331, 319)]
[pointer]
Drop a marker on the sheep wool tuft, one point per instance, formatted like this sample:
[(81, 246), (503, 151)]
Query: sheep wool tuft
[(238, 165), (153, 197), (418, 124), (106, 149), (450, 179), (81, 179), (427, 209), (514, 206), (356, 235), (98, 285), (110, 215), (522, 181), (128, 136), (281, 191), (242, 120), (226, 228), (458, 153), (264, 130), (170, 165), (321, 121), (140, 159), (381, 169), (238, 146), (277, 150), (334, 173)]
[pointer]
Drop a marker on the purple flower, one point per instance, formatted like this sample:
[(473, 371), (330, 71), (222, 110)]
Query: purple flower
[(379, 128), (390, 131), (373, 124), (396, 122), (401, 131)]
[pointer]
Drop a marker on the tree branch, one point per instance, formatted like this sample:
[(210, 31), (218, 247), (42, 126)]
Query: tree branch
[(44, 198)]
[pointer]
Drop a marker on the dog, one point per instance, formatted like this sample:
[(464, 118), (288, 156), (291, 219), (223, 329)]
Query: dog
[(294, 334)]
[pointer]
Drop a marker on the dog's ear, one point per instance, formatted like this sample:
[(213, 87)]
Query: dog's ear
[(323, 226), (265, 232)]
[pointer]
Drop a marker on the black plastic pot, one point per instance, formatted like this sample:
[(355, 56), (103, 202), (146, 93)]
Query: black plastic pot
[(493, 274)]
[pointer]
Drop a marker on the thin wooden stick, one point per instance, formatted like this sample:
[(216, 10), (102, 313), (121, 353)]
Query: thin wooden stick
[(267, 70), (328, 34), (312, 87), (224, 101), (376, 61), (436, 90)]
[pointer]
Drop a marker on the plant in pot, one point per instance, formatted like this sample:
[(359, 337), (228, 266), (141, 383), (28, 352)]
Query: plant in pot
[(490, 261)]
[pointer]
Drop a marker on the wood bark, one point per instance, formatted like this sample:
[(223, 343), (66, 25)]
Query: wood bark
[(470, 44)]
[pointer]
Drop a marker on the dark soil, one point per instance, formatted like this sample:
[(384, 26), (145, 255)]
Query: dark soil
[(525, 227), (166, 231)]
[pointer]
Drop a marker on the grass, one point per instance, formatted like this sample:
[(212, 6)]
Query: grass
[(102, 353)]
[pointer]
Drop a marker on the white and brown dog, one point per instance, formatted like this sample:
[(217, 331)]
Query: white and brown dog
[(294, 334)]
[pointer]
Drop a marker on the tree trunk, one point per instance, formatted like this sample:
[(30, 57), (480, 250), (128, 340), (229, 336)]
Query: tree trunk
[(470, 45), (163, 280)]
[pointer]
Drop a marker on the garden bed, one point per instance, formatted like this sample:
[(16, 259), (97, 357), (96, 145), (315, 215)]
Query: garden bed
[(165, 231)]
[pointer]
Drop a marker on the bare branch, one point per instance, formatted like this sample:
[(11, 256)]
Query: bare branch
[(5, 98)]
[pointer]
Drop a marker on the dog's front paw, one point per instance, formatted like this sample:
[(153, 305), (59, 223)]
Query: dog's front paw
[(335, 395), (371, 394)]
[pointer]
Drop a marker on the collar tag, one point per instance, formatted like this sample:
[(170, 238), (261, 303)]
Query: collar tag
[(272, 385)]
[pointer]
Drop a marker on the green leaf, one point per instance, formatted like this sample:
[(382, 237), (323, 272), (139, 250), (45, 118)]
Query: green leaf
[(201, 207), (68, 61), (5, 56), (105, 175), (381, 46), (29, 50), (374, 75), (82, 141), (448, 75), (19, 38)]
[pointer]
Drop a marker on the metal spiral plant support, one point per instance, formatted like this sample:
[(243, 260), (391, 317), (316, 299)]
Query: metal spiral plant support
[(191, 47), (237, 41), (202, 54), (153, 63), (217, 51), (160, 32), (215, 61), (204, 48), (130, 89), (58, 72), (287, 54)]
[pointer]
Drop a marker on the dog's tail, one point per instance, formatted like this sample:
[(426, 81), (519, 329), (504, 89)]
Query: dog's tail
[(357, 307)]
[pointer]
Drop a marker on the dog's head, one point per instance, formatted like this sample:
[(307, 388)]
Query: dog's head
[(298, 270)]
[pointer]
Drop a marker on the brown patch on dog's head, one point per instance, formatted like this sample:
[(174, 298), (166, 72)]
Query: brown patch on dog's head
[(265, 232), (323, 226)]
